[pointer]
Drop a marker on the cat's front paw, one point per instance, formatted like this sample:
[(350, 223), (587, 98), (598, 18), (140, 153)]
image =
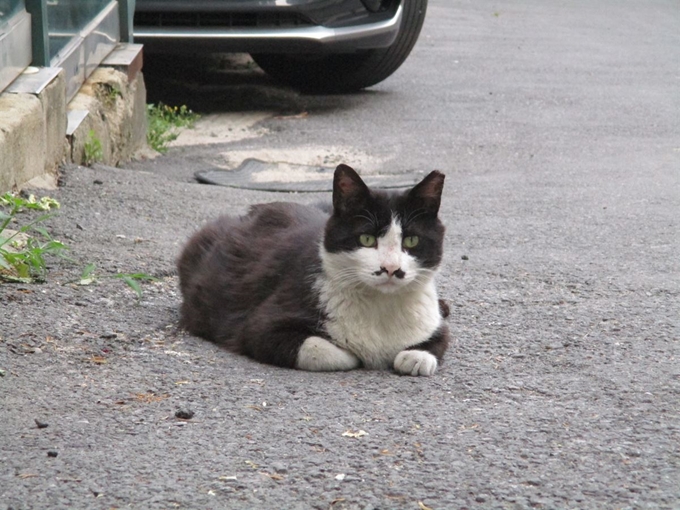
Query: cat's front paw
[(415, 363), (319, 355)]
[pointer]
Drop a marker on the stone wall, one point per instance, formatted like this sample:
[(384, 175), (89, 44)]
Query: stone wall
[(36, 138)]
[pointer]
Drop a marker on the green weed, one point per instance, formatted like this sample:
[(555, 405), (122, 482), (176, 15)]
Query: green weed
[(93, 149), (132, 280), (165, 122), (109, 93), (22, 256)]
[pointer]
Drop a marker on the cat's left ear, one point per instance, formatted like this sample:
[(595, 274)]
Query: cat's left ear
[(349, 191), (428, 192)]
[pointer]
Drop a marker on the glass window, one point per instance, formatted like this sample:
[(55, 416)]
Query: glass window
[(15, 40), (9, 8), (67, 18)]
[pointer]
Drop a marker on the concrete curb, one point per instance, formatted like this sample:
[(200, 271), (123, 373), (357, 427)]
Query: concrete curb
[(116, 117), (23, 138), (35, 135)]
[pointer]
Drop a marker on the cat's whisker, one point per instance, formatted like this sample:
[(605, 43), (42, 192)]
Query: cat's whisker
[(368, 219), (413, 215), (346, 276), (369, 216)]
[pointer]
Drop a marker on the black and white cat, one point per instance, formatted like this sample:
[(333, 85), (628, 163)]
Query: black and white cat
[(289, 285)]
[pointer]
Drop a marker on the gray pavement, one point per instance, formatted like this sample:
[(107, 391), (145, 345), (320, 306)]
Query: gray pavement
[(558, 127)]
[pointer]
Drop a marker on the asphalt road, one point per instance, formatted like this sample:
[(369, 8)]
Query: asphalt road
[(558, 127)]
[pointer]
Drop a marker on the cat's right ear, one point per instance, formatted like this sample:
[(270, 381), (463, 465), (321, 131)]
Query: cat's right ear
[(349, 191)]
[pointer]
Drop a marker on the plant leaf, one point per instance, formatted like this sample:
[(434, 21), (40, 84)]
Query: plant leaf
[(142, 276), (42, 231), (133, 284), (89, 269)]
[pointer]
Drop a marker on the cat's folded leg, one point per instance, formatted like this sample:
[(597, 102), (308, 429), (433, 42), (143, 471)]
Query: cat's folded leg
[(317, 354), (424, 358)]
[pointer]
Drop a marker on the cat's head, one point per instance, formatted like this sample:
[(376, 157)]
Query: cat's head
[(386, 241)]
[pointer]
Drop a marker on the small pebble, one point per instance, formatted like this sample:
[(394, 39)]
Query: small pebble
[(52, 453), (41, 424), (279, 467), (184, 414)]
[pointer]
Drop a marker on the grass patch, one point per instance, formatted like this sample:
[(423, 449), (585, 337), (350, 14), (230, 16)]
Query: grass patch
[(109, 94), (132, 280), (93, 152), (23, 251), (165, 123)]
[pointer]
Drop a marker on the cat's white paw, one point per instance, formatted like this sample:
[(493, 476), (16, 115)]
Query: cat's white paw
[(319, 355), (415, 363)]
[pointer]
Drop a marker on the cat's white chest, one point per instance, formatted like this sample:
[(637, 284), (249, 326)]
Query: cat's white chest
[(376, 326)]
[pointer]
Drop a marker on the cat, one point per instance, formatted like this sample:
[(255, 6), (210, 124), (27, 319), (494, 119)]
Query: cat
[(296, 286)]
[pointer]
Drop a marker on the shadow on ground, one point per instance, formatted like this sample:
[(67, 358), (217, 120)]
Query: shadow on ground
[(217, 83)]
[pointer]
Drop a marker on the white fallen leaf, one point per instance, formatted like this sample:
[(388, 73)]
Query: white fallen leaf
[(359, 433)]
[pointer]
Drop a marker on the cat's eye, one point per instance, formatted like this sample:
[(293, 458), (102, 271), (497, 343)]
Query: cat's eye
[(410, 242), (367, 240)]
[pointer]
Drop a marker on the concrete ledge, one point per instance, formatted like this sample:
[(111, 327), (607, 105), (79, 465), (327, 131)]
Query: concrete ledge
[(35, 143), (33, 122), (23, 141), (116, 119), (53, 103)]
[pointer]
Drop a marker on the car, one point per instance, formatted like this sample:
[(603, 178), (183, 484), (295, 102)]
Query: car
[(316, 46)]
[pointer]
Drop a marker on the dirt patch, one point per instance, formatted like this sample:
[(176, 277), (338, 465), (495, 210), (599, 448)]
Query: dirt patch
[(307, 155), (223, 128)]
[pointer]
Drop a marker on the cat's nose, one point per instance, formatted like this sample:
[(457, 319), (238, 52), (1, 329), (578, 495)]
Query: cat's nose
[(392, 270)]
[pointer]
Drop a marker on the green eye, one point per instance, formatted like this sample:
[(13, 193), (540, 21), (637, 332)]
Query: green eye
[(410, 241), (367, 240)]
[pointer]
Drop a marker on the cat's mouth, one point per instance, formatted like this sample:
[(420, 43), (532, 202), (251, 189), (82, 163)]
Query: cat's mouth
[(389, 285)]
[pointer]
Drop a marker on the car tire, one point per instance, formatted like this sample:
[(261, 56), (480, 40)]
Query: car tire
[(349, 72)]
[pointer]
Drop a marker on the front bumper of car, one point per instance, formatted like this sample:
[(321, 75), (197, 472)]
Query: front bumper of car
[(265, 26)]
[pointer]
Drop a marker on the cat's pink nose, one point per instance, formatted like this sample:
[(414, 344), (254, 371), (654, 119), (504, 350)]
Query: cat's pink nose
[(392, 270)]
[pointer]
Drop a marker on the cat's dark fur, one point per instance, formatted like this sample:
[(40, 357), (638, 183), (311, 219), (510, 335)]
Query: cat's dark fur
[(263, 284)]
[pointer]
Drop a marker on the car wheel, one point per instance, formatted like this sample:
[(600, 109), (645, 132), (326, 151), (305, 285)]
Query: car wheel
[(347, 72)]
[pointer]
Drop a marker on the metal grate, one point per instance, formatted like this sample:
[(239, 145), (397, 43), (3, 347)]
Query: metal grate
[(290, 177), (219, 19)]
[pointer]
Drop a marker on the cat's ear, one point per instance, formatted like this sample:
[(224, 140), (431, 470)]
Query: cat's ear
[(349, 191), (427, 194)]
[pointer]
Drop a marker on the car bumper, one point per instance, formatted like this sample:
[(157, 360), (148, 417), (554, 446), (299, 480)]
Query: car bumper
[(280, 39)]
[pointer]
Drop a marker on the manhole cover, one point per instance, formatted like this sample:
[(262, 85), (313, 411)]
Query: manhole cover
[(264, 176)]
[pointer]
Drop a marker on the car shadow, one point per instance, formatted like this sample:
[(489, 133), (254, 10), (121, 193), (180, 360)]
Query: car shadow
[(218, 83)]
